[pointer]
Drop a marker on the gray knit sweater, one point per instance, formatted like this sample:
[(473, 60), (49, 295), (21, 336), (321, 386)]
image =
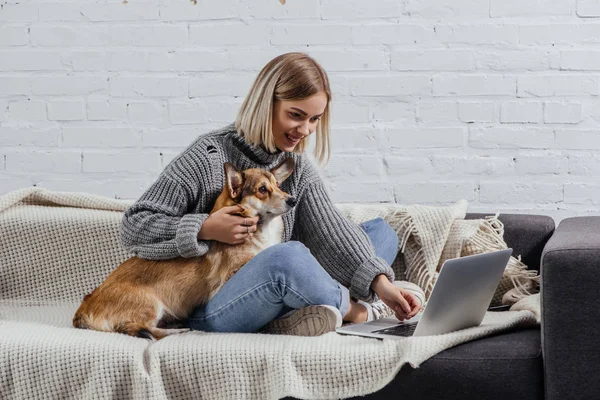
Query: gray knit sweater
[(164, 223)]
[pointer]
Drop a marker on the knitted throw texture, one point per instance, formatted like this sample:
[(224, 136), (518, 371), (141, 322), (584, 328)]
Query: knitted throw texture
[(57, 247)]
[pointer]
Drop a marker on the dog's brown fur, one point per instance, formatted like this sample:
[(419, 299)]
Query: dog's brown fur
[(141, 294)]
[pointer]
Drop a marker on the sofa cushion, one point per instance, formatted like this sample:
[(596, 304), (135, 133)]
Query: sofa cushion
[(526, 234), (507, 366)]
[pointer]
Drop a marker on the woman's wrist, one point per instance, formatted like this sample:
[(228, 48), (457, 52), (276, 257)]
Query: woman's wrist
[(204, 233), (379, 282)]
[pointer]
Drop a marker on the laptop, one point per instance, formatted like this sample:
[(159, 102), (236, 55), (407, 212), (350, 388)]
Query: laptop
[(459, 300)]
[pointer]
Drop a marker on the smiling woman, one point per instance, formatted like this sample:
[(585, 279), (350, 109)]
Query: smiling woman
[(327, 269)]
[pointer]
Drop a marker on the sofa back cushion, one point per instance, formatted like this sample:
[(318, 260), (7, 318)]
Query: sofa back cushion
[(527, 234)]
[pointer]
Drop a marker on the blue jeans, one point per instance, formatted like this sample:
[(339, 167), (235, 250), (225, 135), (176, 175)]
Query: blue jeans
[(281, 278)]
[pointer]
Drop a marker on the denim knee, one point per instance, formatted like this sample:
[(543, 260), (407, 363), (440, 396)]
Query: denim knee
[(282, 257), (383, 237)]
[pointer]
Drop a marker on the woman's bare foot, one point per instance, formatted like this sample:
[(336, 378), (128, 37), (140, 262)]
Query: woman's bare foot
[(356, 313)]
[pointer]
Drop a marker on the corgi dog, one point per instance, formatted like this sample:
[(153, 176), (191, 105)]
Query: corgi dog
[(140, 296)]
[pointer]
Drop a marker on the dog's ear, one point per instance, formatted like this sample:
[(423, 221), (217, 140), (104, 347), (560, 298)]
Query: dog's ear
[(283, 170), (234, 180)]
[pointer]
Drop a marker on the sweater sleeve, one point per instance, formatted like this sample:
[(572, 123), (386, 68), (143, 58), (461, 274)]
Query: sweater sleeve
[(342, 247), (158, 226)]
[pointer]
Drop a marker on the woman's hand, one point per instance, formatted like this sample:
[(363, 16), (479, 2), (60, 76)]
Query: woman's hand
[(405, 304), (224, 227)]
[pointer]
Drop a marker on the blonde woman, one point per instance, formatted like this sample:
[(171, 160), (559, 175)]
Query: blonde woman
[(306, 285)]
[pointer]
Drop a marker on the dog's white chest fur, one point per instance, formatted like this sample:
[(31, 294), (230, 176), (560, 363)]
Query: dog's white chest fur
[(270, 234)]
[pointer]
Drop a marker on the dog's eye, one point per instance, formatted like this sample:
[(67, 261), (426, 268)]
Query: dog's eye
[(262, 189)]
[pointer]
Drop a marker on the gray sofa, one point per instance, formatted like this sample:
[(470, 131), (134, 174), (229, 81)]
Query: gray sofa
[(561, 360)]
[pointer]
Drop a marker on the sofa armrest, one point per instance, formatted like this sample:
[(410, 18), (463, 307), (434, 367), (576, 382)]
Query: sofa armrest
[(570, 313)]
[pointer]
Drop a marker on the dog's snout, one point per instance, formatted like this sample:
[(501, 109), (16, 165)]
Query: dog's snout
[(291, 201)]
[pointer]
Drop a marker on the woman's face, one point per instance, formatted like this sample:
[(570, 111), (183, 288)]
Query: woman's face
[(294, 120)]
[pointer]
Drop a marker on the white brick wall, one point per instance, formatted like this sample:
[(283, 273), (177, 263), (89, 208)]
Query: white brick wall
[(495, 101)]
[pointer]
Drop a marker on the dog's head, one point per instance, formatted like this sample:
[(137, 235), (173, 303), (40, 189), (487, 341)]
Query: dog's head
[(257, 190)]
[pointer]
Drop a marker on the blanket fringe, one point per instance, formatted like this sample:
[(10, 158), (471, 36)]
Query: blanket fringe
[(490, 235)]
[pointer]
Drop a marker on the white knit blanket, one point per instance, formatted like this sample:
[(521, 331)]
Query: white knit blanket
[(57, 247)]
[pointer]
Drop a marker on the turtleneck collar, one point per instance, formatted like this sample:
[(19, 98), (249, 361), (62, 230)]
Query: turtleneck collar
[(255, 153)]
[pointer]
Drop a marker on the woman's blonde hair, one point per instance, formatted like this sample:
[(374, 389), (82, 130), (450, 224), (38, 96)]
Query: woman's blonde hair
[(290, 76)]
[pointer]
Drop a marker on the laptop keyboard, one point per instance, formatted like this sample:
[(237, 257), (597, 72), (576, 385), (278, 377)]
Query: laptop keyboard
[(399, 330)]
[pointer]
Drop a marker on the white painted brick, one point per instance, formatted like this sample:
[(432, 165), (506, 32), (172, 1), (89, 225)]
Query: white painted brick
[(312, 34), (511, 138), (55, 12), (121, 188), (106, 110), (28, 60), (357, 9), (392, 111), (140, 162), (432, 60), (187, 11), (520, 192), (477, 34), (352, 60), (244, 59), (101, 34), (150, 86), (404, 166), (437, 112), (177, 138), (562, 113), (146, 112), (559, 33), (223, 111), (29, 136), (552, 164), (27, 110), (66, 110), (68, 85), (588, 8), (102, 136), (270, 9), (13, 36), (393, 85), (183, 60), (582, 193), (354, 166), (447, 8), (221, 85), (361, 192), (3, 110), (19, 12), (584, 165), (344, 112), (474, 85), (11, 86), (386, 33), (9, 184), (458, 166), (434, 192), (520, 112), (415, 138), (155, 61), (56, 161), (189, 112), (120, 12), (480, 111), (577, 60), (512, 60), (558, 85), (516, 8), (98, 12), (355, 138), (578, 139), (230, 34)]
